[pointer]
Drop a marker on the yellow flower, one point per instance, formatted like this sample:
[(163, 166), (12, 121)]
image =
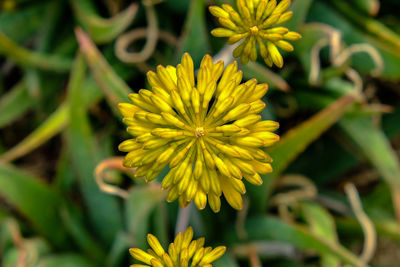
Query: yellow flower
[(256, 23), (179, 253), (208, 133)]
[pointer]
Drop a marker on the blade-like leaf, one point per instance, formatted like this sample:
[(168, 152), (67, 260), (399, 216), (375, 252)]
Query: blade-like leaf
[(294, 142), (102, 30), (270, 228), (25, 57), (321, 224), (34, 200), (14, 104), (113, 86), (139, 206), (195, 36), (103, 209)]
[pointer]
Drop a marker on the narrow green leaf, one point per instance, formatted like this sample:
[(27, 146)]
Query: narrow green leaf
[(370, 7), (75, 227), (27, 58), (107, 220), (374, 145), (270, 228), (297, 139), (65, 260), (254, 70), (139, 207), (14, 103), (321, 224), (115, 89), (53, 125), (102, 30), (227, 260), (294, 142), (35, 200), (195, 36)]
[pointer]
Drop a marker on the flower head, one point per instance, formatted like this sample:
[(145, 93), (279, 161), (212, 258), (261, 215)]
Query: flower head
[(180, 253), (208, 133), (256, 22)]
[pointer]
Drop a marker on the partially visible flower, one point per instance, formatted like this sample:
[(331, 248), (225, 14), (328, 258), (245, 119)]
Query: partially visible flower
[(180, 253), (256, 23), (208, 133)]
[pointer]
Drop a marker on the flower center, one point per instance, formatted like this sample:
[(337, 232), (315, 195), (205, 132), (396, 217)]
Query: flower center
[(254, 30), (199, 132)]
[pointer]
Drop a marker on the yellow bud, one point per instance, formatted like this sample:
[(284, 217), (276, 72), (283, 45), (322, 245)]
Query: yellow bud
[(260, 167), (200, 199), (292, 36), (283, 5), (156, 263), (261, 9), (155, 245), (165, 78), (172, 195), (218, 12), (248, 120), (222, 32), (187, 63), (214, 182), (275, 55), (285, 17), (127, 110), (166, 155), (264, 126), (223, 169), (253, 179), (215, 204), (173, 120), (213, 255), (248, 141), (284, 45), (161, 104), (140, 255), (129, 145), (155, 143), (236, 112), (167, 260), (270, 21), (245, 167), (237, 37), (197, 256)]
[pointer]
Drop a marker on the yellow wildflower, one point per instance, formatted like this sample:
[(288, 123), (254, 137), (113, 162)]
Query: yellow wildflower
[(208, 133), (179, 253), (256, 23)]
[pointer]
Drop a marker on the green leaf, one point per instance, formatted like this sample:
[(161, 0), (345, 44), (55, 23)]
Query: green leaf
[(115, 89), (139, 207), (195, 36), (65, 260), (53, 125), (34, 200), (227, 260), (294, 142), (27, 58), (322, 224), (352, 35), (14, 103), (254, 70), (74, 224), (107, 220), (370, 7), (374, 145), (270, 228), (102, 30)]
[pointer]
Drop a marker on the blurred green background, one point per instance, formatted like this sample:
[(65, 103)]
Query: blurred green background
[(337, 99)]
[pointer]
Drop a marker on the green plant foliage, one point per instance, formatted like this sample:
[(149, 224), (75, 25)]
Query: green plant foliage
[(67, 200)]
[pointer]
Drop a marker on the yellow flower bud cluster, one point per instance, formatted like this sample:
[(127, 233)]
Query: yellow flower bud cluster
[(256, 24), (209, 133), (182, 251)]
